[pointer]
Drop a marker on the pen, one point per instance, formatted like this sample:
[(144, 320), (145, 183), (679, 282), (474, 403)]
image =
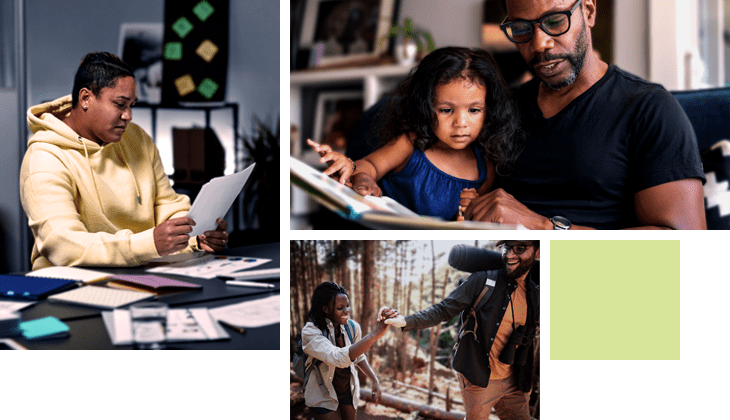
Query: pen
[(249, 284), (233, 327)]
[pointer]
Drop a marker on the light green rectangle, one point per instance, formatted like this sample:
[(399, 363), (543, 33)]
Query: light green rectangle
[(614, 300)]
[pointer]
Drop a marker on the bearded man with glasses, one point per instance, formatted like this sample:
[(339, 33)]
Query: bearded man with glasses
[(604, 149), (494, 355)]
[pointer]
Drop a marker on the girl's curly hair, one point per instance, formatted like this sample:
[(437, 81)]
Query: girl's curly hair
[(411, 110), (322, 296)]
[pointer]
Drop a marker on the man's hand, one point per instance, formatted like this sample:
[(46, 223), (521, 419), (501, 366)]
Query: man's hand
[(337, 162), (364, 184), (172, 235), (500, 207), (214, 240)]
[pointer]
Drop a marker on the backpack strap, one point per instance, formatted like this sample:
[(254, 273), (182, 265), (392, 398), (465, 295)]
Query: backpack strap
[(314, 365), (486, 292), (347, 328)]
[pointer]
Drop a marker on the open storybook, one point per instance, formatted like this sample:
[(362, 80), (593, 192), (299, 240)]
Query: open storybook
[(373, 212)]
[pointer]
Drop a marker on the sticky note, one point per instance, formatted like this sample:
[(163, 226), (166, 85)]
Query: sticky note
[(208, 88), (184, 84), (173, 51), (203, 10), (207, 50), (182, 27)]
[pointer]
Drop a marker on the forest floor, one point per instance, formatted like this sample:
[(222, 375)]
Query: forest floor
[(444, 378)]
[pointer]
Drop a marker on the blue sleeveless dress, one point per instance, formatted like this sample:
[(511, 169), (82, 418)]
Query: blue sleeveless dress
[(427, 190)]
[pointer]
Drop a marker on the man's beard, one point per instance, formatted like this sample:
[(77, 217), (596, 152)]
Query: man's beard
[(522, 268), (576, 60)]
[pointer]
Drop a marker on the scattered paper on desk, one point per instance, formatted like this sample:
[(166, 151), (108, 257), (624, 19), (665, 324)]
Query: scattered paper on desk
[(195, 324), (209, 266), (250, 314), (13, 305), (69, 273)]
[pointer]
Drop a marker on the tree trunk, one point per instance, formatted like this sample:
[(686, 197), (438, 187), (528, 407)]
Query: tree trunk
[(409, 406), (432, 341), (368, 276)]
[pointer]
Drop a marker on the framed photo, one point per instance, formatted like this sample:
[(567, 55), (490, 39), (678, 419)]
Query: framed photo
[(335, 117), (140, 46), (336, 31)]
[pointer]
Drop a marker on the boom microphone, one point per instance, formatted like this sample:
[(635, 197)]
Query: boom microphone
[(472, 259)]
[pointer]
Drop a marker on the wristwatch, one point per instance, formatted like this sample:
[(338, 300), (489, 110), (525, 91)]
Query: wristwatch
[(560, 223)]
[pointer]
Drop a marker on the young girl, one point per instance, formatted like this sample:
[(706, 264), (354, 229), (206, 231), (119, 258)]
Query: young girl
[(326, 338), (451, 127)]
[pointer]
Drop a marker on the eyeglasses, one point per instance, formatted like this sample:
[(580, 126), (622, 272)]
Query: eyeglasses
[(517, 249), (554, 24)]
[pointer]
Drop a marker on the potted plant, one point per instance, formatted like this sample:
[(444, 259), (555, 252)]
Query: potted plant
[(410, 42)]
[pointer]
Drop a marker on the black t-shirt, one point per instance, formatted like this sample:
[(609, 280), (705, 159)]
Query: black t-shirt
[(621, 136)]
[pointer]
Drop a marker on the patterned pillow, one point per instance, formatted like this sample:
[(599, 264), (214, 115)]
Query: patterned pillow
[(716, 163)]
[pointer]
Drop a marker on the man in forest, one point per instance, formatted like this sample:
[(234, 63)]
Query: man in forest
[(495, 353)]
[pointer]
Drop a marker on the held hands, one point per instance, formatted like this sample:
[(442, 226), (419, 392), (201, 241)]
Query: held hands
[(384, 315), (338, 163), (172, 235), (214, 240), (498, 206), (391, 316), (466, 197)]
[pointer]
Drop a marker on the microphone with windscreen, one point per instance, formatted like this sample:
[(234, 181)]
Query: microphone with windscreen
[(472, 259)]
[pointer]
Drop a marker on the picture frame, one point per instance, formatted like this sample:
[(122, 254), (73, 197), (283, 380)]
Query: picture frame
[(140, 46), (338, 31), (330, 106)]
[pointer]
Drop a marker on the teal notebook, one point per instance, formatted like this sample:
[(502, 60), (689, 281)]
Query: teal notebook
[(48, 327)]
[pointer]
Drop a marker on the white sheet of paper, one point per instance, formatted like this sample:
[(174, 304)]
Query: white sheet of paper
[(215, 198), (13, 305), (251, 314), (210, 266)]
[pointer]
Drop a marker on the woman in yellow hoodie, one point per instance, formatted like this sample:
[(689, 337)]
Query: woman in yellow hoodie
[(92, 183)]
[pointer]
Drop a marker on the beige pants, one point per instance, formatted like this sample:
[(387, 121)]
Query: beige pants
[(509, 402)]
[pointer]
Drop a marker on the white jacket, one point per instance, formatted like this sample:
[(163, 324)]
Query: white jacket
[(316, 345)]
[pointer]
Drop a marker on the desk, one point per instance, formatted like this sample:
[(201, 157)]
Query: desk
[(87, 330)]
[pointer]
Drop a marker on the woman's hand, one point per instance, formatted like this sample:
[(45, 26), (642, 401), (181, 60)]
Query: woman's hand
[(338, 163), (214, 240), (364, 184), (376, 391), (172, 235)]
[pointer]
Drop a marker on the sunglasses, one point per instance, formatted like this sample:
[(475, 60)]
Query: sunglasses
[(554, 24), (517, 249)]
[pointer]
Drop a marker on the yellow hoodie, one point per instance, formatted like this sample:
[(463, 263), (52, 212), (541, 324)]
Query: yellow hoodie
[(89, 204)]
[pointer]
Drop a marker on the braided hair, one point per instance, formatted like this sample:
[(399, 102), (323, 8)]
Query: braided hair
[(323, 296)]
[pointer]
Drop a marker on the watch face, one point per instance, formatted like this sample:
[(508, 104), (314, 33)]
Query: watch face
[(561, 222)]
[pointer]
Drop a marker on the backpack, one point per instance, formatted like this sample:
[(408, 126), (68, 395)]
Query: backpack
[(466, 316), (300, 358)]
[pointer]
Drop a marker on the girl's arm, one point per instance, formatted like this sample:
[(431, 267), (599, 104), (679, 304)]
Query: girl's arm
[(366, 342), (364, 366), (391, 157)]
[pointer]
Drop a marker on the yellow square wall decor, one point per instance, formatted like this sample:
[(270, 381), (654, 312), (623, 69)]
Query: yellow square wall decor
[(614, 300)]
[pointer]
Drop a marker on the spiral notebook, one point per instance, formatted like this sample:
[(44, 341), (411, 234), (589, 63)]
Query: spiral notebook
[(100, 297)]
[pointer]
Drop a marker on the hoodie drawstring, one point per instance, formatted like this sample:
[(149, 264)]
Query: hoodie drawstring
[(134, 179), (93, 177)]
